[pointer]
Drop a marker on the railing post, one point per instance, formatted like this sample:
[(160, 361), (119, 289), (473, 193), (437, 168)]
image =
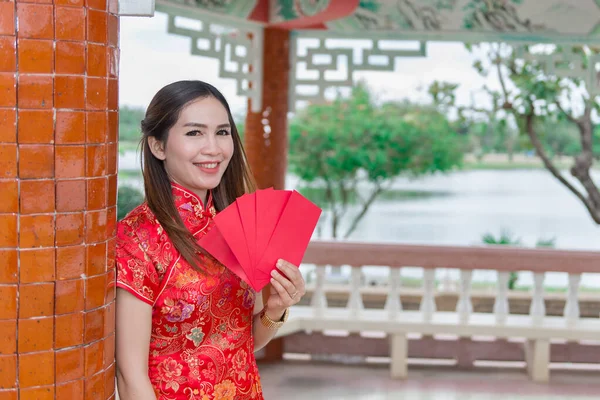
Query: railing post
[(571, 312), (399, 355), (464, 308), (538, 309), (393, 305), (428, 300), (355, 303), (537, 356), (501, 306), (318, 301)]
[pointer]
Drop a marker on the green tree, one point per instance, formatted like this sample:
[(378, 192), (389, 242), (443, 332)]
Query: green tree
[(241, 127), (127, 199), (488, 130), (560, 137), (353, 143), (443, 94), (538, 88), (129, 124)]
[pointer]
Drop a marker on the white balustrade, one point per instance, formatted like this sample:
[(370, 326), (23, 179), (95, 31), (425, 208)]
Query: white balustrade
[(538, 329), (501, 306), (318, 301), (537, 309), (571, 312), (355, 303), (464, 307), (428, 300), (393, 305)]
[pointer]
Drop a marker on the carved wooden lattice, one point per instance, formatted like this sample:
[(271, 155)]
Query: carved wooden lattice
[(567, 64), (344, 57), (238, 47)]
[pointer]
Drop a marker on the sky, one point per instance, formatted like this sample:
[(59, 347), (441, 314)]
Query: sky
[(152, 58)]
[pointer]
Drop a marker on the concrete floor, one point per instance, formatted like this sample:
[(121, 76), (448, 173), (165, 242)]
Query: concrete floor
[(295, 380)]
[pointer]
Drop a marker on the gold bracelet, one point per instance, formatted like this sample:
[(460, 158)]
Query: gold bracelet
[(269, 323)]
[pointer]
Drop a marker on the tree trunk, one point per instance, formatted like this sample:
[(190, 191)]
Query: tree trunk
[(584, 162), (363, 211), (329, 198), (581, 169), (334, 224)]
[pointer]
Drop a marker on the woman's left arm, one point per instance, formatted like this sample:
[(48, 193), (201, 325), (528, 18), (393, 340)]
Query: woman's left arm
[(287, 288)]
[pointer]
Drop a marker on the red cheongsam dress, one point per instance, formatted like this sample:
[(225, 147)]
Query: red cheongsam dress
[(201, 346)]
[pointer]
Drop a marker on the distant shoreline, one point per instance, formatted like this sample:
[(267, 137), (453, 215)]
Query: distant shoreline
[(519, 161), (492, 161)]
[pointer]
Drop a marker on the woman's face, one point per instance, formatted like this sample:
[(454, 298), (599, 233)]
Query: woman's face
[(199, 146)]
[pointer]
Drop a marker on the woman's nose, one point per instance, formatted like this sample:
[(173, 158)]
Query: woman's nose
[(211, 146)]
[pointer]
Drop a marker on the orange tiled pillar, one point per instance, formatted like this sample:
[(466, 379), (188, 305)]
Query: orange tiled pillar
[(58, 164), (267, 148), (267, 151)]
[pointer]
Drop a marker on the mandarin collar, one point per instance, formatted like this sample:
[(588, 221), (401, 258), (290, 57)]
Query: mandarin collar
[(191, 209)]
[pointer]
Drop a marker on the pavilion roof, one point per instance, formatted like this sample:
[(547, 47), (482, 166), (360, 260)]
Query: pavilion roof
[(458, 20)]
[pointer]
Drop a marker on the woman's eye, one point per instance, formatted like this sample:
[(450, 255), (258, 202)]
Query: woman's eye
[(193, 133), (223, 132)]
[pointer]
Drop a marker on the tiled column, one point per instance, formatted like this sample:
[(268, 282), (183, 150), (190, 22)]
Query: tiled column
[(266, 136), (58, 159), (267, 147)]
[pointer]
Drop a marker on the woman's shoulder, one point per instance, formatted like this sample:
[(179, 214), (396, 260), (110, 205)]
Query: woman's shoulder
[(140, 218)]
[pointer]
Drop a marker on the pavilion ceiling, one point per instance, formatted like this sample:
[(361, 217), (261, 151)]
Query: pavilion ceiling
[(461, 20)]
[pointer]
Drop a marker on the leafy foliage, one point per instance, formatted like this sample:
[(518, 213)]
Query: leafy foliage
[(555, 110), (505, 238), (129, 124), (355, 148), (128, 198)]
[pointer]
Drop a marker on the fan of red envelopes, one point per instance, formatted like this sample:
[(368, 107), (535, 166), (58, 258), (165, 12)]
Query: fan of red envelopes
[(260, 228)]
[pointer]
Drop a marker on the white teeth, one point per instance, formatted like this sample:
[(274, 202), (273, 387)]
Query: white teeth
[(209, 166)]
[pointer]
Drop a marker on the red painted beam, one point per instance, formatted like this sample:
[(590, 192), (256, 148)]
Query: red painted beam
[(260, 12), (335, 10)]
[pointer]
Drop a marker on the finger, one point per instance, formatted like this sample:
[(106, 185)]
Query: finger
[(285, 282), (293, 273), (281, 290)]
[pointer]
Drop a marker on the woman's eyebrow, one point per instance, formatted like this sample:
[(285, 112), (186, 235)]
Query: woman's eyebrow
[(199, 125)]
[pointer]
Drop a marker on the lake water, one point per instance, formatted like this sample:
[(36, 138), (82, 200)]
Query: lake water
[(458, 208)]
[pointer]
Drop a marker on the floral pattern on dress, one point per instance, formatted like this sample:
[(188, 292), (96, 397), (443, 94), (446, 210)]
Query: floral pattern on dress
[(201, 345)]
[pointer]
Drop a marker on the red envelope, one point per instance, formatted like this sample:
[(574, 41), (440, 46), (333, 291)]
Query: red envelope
[(293, 232), (230, 227), (247, 210), (269, 207), (258, 229), (215, 244)]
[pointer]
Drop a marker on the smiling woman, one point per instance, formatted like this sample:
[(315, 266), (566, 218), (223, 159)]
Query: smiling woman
[(187, 327), (198, 152), (180, 130)]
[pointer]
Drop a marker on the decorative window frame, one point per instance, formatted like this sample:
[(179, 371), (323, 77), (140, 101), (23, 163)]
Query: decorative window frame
[(233, 42), (356, 58), (566, 64)]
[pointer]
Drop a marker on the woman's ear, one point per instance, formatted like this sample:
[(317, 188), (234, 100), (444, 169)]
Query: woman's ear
[(157, 148)]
